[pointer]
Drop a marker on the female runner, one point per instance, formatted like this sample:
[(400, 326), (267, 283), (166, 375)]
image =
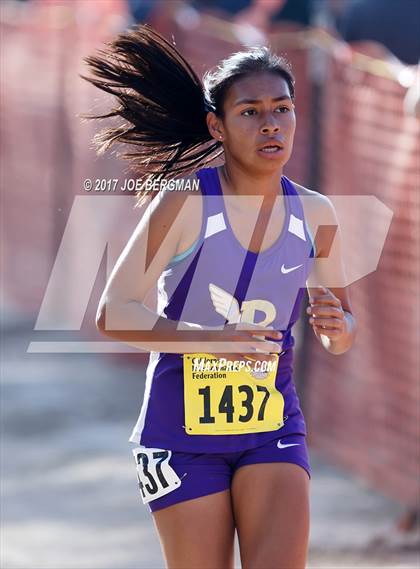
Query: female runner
[(220, 440)]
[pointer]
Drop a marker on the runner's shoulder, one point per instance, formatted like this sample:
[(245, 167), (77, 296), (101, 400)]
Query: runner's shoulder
[(171, 202), (318, 204)]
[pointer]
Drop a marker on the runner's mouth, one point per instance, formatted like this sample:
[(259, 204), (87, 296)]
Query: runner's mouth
[(271, 150)]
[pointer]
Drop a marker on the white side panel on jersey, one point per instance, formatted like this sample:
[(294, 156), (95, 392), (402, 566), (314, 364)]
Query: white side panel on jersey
[(215, 224), (296, 227)]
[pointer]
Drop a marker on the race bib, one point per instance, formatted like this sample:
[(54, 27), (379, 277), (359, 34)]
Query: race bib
[(222, 401), (155, 476)]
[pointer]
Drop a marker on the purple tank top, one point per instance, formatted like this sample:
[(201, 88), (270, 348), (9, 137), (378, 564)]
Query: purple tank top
[(268, 288)]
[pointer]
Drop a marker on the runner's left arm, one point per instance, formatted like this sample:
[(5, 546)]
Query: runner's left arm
[(329, 311)]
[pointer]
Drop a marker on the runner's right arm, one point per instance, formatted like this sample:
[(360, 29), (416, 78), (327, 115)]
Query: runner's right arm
[(122, 314)]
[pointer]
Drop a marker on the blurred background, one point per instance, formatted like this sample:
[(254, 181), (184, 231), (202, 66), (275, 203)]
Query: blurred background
[(70, 398)]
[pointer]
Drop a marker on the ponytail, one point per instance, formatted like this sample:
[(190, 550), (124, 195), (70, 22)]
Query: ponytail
[(161, 101)]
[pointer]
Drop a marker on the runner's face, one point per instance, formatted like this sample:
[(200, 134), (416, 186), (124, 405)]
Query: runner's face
[(258, 110)]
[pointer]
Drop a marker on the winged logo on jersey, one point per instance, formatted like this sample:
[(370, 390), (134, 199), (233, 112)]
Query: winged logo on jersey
[(225, 304)]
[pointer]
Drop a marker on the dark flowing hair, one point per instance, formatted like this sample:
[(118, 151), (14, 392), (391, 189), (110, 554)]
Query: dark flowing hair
[(162, 101)]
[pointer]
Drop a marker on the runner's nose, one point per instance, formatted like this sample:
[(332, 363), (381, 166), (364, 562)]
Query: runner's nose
[(270, 125)]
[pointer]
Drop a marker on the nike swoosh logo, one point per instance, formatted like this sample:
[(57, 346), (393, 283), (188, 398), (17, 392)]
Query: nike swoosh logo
[(289, 270), (280, 445)]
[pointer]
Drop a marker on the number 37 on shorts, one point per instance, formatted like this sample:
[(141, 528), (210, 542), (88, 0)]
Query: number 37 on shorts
[(155, 475), (229, 402)]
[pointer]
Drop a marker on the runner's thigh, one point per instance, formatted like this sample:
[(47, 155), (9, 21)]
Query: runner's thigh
[(271, 508), (198, 533)]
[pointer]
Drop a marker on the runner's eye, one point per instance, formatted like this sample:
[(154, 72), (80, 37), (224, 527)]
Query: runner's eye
[(283, 109), (248, 111)]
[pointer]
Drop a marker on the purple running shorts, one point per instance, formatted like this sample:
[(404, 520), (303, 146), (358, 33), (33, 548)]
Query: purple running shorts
[(168, 477)]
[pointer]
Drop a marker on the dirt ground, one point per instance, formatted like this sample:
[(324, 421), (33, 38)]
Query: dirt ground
[(69, 491)]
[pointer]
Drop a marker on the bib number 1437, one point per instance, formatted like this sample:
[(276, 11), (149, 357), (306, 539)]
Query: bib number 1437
[(229, 402), (155, 475)]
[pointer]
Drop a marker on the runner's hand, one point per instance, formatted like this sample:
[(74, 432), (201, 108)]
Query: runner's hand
[(249, 341), (327, 316)]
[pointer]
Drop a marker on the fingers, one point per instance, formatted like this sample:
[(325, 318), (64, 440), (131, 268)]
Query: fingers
[(325, 311), (256, 329), (267, 347), (324, 296), (332, 333), (255, 355), (249, 355), (329, 323), (260, 350), (236, 349), (249, 339), (325, 301), (269, 333)]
